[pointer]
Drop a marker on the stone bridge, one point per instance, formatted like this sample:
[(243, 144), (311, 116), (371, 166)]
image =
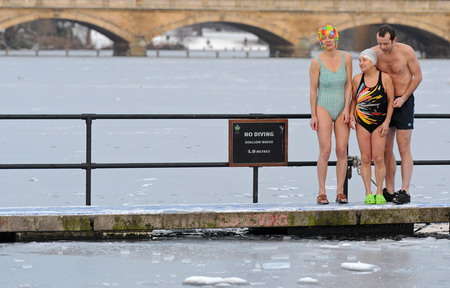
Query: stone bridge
[(288, 26)]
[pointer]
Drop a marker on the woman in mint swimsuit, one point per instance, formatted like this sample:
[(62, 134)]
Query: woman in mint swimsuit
[(330, 76)]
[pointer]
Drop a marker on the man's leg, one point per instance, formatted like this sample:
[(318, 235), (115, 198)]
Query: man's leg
[(404, 148), (389, 160), (404, 143)]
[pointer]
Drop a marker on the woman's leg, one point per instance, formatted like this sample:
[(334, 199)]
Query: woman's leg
[(324, 136), (378, 149), (365, 148), (342, 133)]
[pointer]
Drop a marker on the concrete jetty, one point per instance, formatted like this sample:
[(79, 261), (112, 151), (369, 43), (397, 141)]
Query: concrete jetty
[(135, 222)]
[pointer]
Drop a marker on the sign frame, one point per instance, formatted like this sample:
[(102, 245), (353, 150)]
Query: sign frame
[(234, 162)]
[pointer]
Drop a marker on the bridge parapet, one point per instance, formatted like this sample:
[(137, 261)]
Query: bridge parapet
[(259, 5)]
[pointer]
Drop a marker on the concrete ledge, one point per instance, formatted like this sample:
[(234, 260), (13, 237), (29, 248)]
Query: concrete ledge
[(93, 222)]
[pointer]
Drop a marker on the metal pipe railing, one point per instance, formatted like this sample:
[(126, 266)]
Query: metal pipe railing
[(88, 166)]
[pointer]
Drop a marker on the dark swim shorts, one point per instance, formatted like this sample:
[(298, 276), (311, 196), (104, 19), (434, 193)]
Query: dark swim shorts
[(403, 117)]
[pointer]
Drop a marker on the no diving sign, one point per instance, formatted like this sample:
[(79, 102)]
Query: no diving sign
[(258, 142)]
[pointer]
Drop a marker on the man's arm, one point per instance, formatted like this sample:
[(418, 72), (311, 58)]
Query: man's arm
[(416, 72)]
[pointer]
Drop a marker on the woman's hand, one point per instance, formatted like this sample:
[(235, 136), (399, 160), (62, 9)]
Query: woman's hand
[(314, 123), (345, 116), (384, 128)]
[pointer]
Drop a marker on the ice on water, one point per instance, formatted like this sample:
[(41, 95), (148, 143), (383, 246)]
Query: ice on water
[(214, 281), (307, 280), (228, 263), (360, 267)]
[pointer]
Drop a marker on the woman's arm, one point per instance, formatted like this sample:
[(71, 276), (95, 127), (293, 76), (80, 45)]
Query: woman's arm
[(348, 87), (314, 72), (355, 84)]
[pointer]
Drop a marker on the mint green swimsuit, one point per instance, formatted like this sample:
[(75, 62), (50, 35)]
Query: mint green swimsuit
[(332, 89)]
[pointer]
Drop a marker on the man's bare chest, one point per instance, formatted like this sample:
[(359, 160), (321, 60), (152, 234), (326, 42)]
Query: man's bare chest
[(393, 65)]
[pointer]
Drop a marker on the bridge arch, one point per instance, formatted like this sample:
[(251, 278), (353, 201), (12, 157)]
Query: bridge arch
[(279, 40), (405, 21), (120, 36)]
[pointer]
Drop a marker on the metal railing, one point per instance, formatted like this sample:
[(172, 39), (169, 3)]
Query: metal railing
[(88, 166)]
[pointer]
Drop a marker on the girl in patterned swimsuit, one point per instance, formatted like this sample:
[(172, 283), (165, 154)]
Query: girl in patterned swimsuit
[(330, 96), (372, 108)]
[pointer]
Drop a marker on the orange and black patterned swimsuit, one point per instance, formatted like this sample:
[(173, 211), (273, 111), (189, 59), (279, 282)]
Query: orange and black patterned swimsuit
[(371, 105)]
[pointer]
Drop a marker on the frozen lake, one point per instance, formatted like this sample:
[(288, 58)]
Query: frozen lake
[(59, 85), (283, 262)]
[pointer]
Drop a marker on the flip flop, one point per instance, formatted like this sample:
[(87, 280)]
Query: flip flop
[(322, 199), (341, 198)]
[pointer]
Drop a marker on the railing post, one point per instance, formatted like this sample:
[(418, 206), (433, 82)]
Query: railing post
[(255, 184), (88, 168), (348, 175), (352, 162)]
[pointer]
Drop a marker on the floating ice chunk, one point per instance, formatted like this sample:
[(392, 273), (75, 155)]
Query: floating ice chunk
[(214, 281), (186, 261), (235, 281), (276, 265), (326, 246), (284, 188), (360, 267), (201, 280), (280, 257), (169, 257), (371, 248), (307, 280)]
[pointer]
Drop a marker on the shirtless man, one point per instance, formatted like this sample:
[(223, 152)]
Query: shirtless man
[(400, 62)]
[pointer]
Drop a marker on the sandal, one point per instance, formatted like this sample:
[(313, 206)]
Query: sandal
[(322, 199), (379, 199), (370, 199), (341, 198)]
